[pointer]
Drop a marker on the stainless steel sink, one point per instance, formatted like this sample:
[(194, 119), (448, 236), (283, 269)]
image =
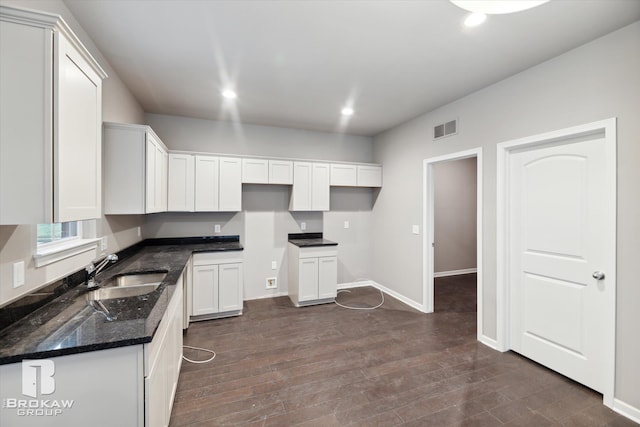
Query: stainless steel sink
[(128, 285), (122, 292), (136, 279)]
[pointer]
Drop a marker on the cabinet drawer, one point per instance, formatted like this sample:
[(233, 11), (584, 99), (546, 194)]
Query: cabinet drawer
[(206, 258)]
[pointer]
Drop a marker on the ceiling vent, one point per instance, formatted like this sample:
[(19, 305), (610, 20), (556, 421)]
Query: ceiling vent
[(445, 129)]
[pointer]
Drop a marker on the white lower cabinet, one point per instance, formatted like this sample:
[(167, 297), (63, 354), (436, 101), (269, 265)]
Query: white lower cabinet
[(313, 274), (163, 359), (217, 285)]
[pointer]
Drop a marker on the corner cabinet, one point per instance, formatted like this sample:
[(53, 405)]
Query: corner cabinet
[(313, 274), (50, 121), (310, 190), (217, 285), (135, 170)]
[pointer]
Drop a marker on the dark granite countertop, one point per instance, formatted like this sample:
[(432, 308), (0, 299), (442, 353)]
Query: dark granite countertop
[(307, 240), (69, 325)]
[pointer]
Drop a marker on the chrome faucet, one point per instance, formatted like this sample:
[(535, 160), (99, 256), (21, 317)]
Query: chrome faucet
[(93, 270)]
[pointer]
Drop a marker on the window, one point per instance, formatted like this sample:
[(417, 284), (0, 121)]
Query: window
[(56, 242), (51, 234)]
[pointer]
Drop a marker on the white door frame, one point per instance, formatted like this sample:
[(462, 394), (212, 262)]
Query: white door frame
[(504, 151), (428, 229)]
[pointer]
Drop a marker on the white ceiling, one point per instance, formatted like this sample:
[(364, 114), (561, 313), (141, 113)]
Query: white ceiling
[(296, 63)]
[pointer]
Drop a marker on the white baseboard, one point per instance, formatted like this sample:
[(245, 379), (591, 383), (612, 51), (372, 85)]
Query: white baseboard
[(626, 410), (455, 272), (398, 296), (359, 284), (489, 342)]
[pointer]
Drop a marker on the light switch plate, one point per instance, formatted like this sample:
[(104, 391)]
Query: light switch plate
[(18, 274), (416, 229), (216, 228), (303, 226), (274, 265), (346, 224), (103, 244)]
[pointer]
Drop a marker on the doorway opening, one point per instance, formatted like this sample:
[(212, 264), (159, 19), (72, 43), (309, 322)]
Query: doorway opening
[(451, 267)]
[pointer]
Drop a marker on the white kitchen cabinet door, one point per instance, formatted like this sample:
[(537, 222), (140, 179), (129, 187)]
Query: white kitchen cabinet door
[(77, 138), (308, 285), (280, 172), (229, 287), (369, 176), (181, 183), (205, 289), (230, 182), (327, 277), (206, 183), (156, 393), (301, 191), (160, 180), (255, 171), (320, 187), (343, 175)]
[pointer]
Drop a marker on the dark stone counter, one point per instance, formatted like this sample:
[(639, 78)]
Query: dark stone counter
[(69, 325), (307, 240)]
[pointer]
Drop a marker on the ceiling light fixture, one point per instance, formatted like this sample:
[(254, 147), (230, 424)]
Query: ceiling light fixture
[(346, 111), (229, 94), (475, 19), (497, 7)]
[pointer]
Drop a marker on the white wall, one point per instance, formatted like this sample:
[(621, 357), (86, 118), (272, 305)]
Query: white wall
[(265, 221), (596, 81), (454, 219), (18, 242)]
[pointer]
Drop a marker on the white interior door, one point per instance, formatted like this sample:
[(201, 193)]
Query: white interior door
[(558, 237)]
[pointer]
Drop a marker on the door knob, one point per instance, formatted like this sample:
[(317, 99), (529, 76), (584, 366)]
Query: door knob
[(598, 275)]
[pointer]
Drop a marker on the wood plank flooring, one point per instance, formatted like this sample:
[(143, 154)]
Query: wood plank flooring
[(328, 366)]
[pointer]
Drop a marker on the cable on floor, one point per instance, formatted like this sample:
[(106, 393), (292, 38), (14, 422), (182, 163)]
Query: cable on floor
[(201, 349), (359, 308)]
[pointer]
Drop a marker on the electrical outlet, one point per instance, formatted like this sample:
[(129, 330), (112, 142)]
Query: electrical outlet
[(216, 228), (274, 265), (272, 283), (139, 231), (415, 229), (303, 226), (103, 244), (18, 274), (346, 224)]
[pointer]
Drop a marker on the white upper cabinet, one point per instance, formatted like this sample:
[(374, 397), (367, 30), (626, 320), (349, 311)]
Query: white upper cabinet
[(263, 171), (369, 176), (344, 175), (218, 184), (50, 121), (310, 187), (255, 171), (281, 172), (352, 175), (135, 170), (230, 184), (181, 183)]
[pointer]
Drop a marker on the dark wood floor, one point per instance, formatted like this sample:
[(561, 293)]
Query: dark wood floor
[(327, 366)]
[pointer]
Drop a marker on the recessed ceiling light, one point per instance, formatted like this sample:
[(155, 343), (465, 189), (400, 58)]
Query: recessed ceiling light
[(229, 94), (346, 111), (475, 19), (491, 7)]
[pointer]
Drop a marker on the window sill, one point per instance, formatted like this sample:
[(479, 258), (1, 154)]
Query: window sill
[(75, 247)]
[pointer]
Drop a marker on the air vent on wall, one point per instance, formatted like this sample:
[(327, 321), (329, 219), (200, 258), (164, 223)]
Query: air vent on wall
[(445, 129)]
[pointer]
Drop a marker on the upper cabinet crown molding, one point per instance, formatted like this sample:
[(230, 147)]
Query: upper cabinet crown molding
[(50, 121), (54, 22)]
